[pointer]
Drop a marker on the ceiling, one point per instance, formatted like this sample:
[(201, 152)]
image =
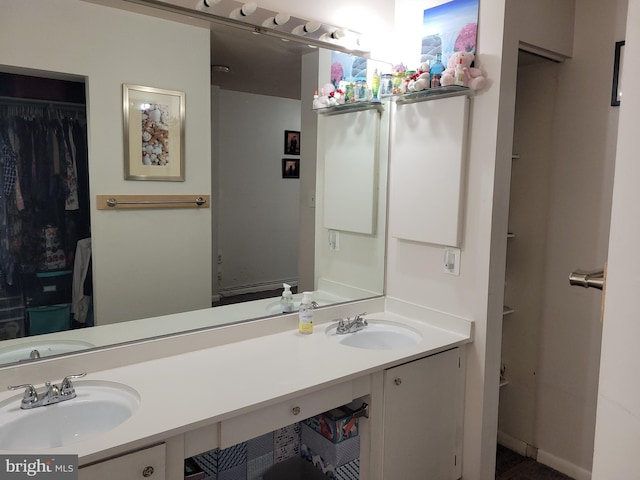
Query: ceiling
[(257, 63)]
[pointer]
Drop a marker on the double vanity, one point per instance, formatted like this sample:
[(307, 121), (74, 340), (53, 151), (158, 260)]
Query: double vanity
[(142, 420)]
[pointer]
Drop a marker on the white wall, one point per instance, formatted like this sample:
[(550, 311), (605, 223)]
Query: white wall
[(617, 427), (583, 146), (561, 397), (414, 271), (259, 210), (145, 262)]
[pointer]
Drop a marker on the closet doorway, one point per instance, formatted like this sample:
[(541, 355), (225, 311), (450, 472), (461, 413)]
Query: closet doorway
[(559, 214), (44, 209)]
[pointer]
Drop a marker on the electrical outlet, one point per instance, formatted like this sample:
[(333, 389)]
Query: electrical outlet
[(451, 261)]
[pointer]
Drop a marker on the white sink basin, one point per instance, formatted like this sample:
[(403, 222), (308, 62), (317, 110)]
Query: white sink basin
[(18, 353), (97, 408), (378, 335)]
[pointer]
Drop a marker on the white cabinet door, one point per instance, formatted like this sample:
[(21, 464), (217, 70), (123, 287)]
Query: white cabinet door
[(147, 464), (423, 403)]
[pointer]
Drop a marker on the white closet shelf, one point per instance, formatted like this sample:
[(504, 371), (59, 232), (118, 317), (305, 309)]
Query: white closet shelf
[(515, 156), (506, 310)]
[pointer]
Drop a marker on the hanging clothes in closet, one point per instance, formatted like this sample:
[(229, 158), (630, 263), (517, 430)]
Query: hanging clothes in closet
[(44, 194)]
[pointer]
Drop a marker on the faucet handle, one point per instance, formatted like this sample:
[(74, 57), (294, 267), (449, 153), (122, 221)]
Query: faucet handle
[(358, 317), (66, 387), (52, 390), (30, 393)]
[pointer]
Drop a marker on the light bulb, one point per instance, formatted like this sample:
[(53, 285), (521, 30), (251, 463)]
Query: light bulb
[(204, 5), (279, 19), (308, 27), (339, 33), (244, 11)]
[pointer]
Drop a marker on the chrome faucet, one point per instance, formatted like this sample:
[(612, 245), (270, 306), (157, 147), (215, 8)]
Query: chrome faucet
[(351, 325), (47, 395)]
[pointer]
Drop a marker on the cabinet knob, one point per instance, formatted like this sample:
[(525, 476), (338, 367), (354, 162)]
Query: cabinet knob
[(295, 410), (397, 381), (148, 471)]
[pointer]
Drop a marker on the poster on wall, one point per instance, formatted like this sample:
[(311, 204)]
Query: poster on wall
[(348, 68), (449, 27)]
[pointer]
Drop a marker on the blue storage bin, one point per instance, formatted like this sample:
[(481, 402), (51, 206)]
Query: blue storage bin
[(49, 319)]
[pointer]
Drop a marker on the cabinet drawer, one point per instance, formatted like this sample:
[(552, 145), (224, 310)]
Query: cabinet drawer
[(147, 464), (268, 419)]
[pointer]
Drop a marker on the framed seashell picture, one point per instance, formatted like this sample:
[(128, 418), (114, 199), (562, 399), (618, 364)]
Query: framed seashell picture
[(153, 133)]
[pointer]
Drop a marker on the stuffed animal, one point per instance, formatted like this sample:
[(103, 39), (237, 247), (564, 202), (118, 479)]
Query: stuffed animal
[(473, 77), (422, 80), (325, 99)]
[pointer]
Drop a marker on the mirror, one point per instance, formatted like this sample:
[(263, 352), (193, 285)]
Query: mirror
[(314, 237)]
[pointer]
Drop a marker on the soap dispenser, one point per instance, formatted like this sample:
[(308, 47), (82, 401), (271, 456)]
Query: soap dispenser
[(286, 302), (305, 321)]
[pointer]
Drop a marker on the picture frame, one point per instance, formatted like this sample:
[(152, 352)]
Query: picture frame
[(616, 87), (290, 168), (153, 133), (291, 142)]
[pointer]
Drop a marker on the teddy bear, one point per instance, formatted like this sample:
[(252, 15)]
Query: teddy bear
[(422, 80), (473, 77)]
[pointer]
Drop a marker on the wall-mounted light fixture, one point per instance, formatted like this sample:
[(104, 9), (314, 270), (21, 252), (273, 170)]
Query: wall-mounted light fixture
[(205, 5), (244, 11), (306, 28), (276, 21), (263, 21)]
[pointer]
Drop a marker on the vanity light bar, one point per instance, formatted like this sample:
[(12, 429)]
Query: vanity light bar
[(265, 22)]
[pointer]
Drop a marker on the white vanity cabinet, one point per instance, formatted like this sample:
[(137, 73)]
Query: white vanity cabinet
[(140, 465), (422, 418)]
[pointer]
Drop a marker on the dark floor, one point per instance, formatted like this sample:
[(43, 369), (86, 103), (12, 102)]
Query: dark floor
[(511, 466)]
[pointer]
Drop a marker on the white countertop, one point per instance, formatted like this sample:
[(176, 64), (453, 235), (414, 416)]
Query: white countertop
[(190, 390)]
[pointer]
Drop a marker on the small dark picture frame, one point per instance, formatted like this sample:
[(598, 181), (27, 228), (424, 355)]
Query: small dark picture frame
[(616, 87), (291, 142), (290, 168)]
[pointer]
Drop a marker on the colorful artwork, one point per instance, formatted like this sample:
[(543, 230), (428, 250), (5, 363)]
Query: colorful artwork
[(347, 67), (448, 28)]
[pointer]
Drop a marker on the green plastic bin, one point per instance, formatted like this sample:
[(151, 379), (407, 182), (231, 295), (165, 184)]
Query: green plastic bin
[(49, 319)]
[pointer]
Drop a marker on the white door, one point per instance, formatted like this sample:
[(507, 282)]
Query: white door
[(617, 440)]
